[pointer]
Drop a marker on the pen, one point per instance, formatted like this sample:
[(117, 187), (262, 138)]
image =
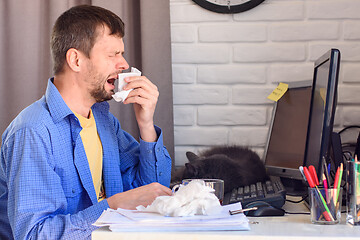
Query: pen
[(326, 213), (329, 200), (301, 169), (326, 188), (336, 183), (326, 171), (242, 210), (339, 183)]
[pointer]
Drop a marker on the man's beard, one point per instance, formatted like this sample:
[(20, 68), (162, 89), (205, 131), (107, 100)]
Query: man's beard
[(97, 90), (99, 93)]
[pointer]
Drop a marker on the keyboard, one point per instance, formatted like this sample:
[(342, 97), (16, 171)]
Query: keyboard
[(271, 191)]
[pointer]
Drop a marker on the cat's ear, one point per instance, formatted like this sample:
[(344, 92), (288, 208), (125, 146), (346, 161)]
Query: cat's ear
[(191, 156)]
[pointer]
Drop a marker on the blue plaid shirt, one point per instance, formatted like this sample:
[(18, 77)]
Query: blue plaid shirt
[(46, 189)]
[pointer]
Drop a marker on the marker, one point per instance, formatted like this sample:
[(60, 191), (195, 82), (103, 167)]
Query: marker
[(308, 177), (314, 175)]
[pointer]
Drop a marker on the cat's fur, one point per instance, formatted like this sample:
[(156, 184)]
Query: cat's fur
[(236, 165)]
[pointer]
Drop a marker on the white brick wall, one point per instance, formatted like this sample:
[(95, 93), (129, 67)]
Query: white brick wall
[(225, 65)]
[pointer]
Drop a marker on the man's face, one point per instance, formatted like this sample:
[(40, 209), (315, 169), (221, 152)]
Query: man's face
[(105, 63)]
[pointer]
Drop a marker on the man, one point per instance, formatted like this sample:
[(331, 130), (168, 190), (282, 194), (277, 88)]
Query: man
[(65, 158)]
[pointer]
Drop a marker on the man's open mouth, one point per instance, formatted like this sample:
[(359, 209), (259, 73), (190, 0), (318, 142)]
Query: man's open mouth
[(111, 81)]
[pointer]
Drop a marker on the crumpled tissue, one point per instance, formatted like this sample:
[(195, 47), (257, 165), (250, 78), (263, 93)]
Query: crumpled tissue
[(121, 95), (192, 199)]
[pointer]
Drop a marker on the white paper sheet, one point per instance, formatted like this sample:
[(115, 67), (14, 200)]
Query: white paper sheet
[(134, 220)]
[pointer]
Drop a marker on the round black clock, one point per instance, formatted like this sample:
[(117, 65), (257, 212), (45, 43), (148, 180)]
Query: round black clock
[(228, 6)]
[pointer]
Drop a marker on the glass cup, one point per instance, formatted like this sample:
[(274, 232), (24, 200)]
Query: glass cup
[(325, 205), (216, 184), (353, 192)]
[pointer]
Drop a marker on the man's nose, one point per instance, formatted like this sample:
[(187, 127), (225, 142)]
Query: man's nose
[(122, 64)]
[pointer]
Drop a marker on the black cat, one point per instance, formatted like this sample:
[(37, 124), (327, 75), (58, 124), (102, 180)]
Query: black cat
[(236, 165)]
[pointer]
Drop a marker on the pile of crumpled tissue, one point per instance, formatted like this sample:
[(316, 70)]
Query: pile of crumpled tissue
[(192, 199)]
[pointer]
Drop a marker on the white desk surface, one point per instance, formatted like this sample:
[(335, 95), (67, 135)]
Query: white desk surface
[(294, 227)]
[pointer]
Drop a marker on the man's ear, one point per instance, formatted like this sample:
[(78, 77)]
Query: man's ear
[(73, 59)]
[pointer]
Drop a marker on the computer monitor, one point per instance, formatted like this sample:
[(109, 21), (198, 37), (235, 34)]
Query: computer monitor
[(302, 123), (322, 110), (285, 147)]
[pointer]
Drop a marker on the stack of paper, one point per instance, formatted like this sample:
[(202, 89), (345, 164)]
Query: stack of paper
[(134, 220)]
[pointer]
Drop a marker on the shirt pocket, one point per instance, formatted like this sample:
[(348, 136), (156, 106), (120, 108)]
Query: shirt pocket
[(74, 194), (73, 190)]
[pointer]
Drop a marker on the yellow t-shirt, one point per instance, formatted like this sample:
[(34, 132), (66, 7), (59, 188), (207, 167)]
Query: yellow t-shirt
[(94, 151)]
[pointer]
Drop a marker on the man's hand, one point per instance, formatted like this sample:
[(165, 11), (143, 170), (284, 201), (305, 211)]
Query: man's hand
[(143, 195), (144, 96)]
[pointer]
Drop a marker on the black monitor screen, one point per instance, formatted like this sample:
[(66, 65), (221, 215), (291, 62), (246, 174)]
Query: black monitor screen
[(322, 111)]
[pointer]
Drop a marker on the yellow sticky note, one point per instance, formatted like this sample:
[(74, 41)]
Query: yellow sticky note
[(278, 92), (323, 95)]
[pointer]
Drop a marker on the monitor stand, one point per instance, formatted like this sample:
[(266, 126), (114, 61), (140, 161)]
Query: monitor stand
[(294, 187)]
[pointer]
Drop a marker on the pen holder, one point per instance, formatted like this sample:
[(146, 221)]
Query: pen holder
[(325, 205), (353, 192)]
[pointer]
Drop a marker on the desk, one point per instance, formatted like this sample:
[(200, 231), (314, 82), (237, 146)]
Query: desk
[(293, 227)]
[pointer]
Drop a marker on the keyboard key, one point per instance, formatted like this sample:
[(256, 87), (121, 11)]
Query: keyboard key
[(246, 189), (252, 188)]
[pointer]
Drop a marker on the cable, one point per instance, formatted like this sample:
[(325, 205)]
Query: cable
[(348, 127), (347, 155), (350, 145)]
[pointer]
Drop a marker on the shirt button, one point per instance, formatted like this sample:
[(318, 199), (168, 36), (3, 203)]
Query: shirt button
[(73, 191), (150, 151), (158, 149), (160, 173)]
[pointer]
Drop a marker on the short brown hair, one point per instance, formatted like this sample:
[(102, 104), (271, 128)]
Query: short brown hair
[(76, 28)]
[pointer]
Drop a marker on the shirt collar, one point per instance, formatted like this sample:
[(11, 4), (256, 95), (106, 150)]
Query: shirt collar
[(57, 106)]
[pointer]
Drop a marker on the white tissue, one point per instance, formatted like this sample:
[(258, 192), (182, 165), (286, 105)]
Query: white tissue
[(121, 95), (193, 199)]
